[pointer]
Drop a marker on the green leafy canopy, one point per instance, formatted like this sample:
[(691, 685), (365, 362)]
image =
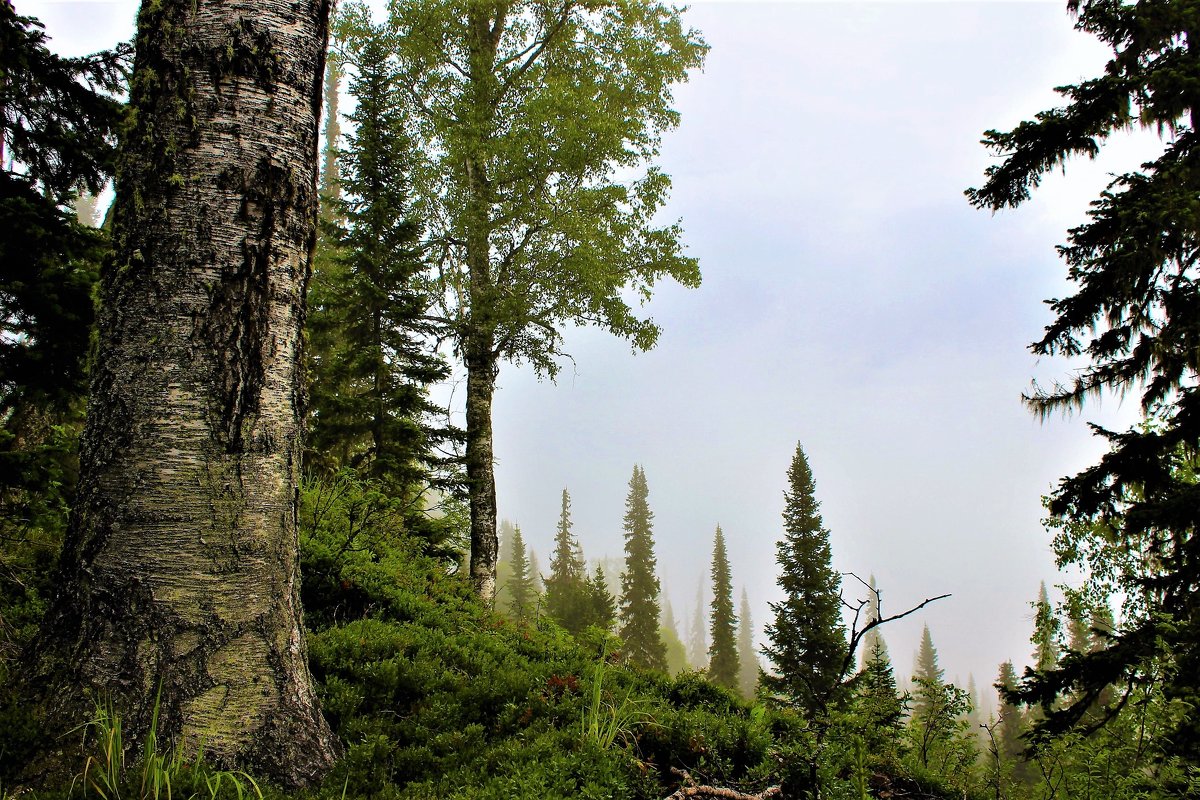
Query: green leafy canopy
[(536, 123)]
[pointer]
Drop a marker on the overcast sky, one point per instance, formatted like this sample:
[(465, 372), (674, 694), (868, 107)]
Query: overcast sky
[(852, 301)]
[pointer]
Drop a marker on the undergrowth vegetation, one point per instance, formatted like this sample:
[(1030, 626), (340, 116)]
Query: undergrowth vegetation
[(435, 696)]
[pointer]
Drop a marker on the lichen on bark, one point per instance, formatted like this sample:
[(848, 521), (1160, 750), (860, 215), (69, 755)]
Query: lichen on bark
[(180, 570)]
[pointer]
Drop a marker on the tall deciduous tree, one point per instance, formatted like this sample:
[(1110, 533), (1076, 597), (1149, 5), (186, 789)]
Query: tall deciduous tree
[(523, 113), (179, 573), (807, 641), (639, 610), (722, 653), (1132, 315)]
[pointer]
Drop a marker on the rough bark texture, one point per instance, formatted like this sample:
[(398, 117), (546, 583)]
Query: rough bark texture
[(481, 478), (180, 566)]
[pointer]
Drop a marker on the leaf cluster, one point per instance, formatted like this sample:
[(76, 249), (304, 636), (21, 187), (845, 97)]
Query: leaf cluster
[(534, 122)]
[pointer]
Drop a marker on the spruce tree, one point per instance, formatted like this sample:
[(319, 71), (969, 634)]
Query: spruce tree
[(639, 583), (1012, 725), (600, 605), (938, 727), (723, 665), (1103, 627), (567, 592), (520, 584), (535, 571), (927, 676), (697, 644), (59, 119), (371, 358), (329, 184), (872, 636), (877, 706), (1045, 632), (1134, 269), (677, 660), (807, 639), (747, 657), (1079, 634), (668, 616)]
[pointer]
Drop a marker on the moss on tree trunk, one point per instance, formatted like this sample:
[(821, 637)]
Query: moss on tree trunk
[(180, 566)]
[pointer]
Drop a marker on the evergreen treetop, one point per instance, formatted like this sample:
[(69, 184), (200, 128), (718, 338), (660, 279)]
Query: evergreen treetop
[(926, 674), (520, 584), (876, 691), (639, 610), (371, 355), (567, 595), (807, 640), (1045, 632), (873, 636), (601, 607), (723, 665)]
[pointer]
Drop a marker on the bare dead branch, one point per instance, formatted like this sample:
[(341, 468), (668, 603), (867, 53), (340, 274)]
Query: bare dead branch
[(692, 789)]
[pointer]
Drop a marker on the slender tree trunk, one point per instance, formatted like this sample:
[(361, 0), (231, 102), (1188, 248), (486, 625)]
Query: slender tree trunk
[(179, 575), (331, 179), (481, 478), (479, 346)]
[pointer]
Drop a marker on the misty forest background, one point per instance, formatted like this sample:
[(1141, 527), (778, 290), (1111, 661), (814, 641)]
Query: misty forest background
[(450, 658)]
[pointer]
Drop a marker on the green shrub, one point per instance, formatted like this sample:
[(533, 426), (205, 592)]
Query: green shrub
[(435, 696)]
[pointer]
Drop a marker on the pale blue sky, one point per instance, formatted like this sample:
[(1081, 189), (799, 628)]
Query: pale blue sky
[(852, 301)]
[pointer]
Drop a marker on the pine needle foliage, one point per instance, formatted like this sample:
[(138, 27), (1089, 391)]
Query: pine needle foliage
[(639, 609), (372, 358), (747, 657), (567, 596), (1132, 315), (723, 663), (1046, 627), (59, 120), (601, 606), (927, 675), (521, 594), (807, 640)]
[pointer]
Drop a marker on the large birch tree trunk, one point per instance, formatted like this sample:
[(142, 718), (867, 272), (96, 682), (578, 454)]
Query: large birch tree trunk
[(179, 573)]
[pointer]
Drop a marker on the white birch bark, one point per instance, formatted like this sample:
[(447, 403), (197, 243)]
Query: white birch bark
[(180, 568)]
